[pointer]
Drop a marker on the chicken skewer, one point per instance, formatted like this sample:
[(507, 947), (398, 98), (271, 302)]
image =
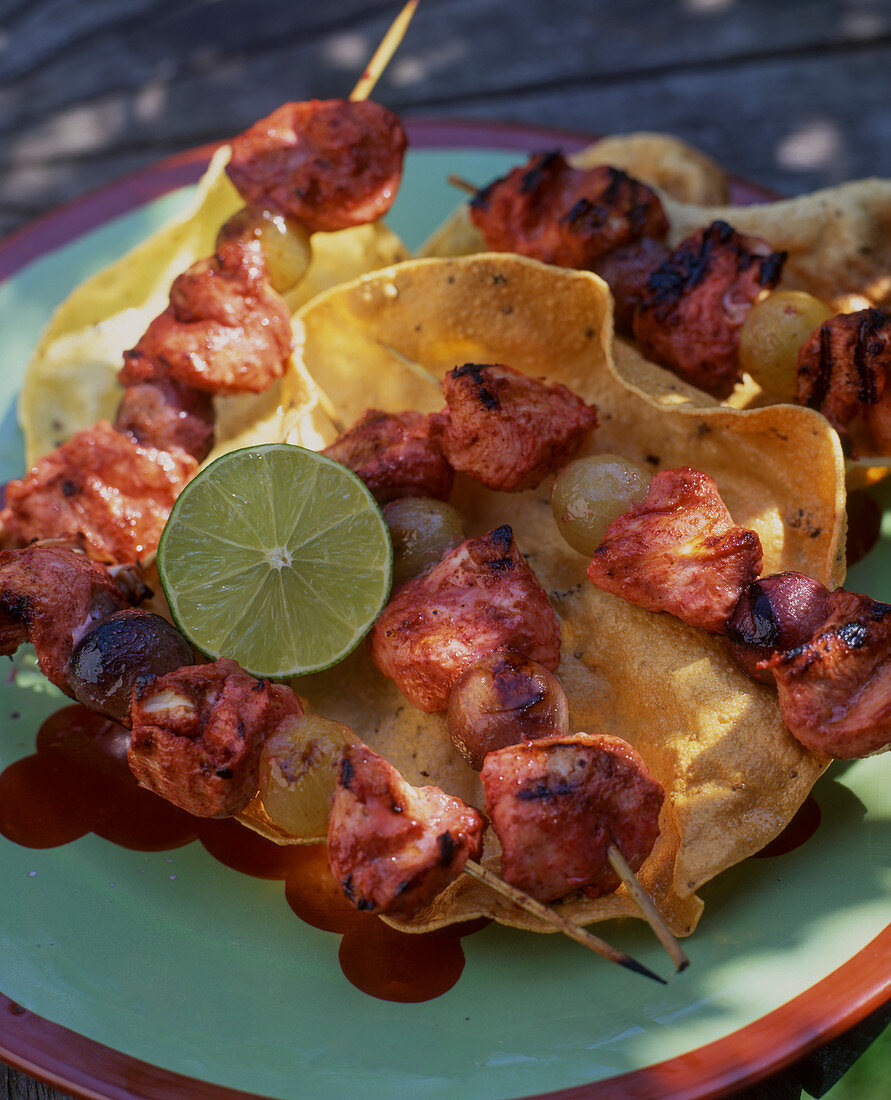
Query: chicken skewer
[(394, 847), (789, 341), (197, 731), (308, 167)]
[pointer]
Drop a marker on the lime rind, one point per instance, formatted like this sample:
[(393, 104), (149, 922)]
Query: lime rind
[(276, 557)]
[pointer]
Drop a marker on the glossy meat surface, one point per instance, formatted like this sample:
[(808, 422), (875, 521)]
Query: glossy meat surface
[(100, 484), (679, 551), (507, 430), (843, 373), (224, 331), (52, 596), (557, 804), (480, 597), (198, 732), (168, 416), (835, 691), (396, 455), (330, 164), (693, 307), (550, 211), (394, 847)]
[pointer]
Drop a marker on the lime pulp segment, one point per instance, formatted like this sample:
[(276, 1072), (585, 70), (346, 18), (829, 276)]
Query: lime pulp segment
[(276, 557)]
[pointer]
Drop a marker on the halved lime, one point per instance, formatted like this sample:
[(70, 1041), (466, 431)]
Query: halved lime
[(276, 557)]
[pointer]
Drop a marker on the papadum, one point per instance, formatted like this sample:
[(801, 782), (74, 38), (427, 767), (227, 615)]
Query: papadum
[(733, 775)]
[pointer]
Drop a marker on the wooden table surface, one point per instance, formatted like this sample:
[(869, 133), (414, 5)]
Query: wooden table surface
[(792, 94)]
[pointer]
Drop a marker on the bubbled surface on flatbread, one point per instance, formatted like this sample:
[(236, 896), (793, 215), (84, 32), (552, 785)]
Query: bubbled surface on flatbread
[(733, 775), (80, 351)]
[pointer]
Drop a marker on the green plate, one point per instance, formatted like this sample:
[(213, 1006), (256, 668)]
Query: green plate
[(173, 959)]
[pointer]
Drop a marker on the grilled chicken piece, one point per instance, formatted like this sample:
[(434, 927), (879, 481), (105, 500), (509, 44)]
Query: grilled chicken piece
[(51, 596), (843, 373), (100, 484), (558, 803), (694, 305), (168, 416), (394, 847), (835, 690), (679, 551), (225, 330), (562, 215), (396, 455), (198, 732), (627, 271), (482, 596), (330, 164), (507, 430)]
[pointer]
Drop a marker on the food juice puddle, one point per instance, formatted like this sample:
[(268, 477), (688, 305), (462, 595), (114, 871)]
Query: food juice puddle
[(77, 781)]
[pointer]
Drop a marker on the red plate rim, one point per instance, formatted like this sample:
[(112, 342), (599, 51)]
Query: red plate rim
[(66, 1060)]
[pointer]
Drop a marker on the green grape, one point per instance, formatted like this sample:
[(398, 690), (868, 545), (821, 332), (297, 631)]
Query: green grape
[(591, 492), (422, 530), (285, 243), (773, 331), (298, 772)]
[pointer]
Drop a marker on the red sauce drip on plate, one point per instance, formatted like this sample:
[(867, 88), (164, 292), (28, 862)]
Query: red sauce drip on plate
[(77, 781)]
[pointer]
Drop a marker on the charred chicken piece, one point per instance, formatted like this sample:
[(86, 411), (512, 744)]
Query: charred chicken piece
[(224, 331), (168, 416), (396, 455), (394, 847), (480, 597), (330, 164), (775, 613), (567, 216), (52, 596), (100, 484), (689, 317), (198, 732), (507, 430), (558, 803), (835, 690), (679, 551), (843, 373)]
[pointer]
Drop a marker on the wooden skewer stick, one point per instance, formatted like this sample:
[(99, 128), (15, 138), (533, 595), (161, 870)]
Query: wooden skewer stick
[(461, 183), (644, 902), (381, 58), (545, 913)]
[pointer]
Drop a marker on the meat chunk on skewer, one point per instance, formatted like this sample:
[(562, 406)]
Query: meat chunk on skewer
[(51, 596), (835, 690), (100, 484), (394, 847), (396, 455), (330, 164), (679, 551), (224, 331), (627, 271), (198, 732), (558, 803), (168, 416), (507, 430), (843, 370), (480, 597), (694, 304), (562, 215)]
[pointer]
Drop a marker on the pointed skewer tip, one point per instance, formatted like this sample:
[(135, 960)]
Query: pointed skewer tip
[(557, 921)]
